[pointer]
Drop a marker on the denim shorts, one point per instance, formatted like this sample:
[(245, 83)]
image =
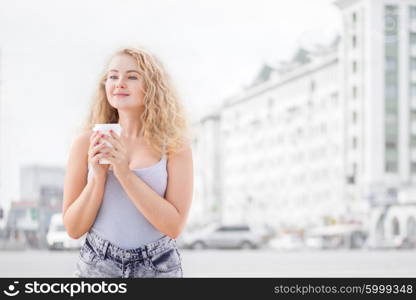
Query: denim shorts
[(99, 258)]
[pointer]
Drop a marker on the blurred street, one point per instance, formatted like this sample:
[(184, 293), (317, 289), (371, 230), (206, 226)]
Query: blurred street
[(236, 263), (305, 148)]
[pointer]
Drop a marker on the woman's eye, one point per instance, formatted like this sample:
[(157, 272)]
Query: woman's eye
[(132, 77), (113, 77)]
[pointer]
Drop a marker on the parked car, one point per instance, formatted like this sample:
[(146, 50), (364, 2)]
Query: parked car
[(224, 236), (58, 238)]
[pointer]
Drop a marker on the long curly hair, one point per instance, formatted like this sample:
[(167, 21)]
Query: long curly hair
[(165, 125)]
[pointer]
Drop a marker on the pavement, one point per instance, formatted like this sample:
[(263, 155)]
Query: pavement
[(236, 263)]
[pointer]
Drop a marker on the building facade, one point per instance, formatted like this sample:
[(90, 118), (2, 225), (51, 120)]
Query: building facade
[(2, 150), (283, 145), (330, 136), (206, 207), (377, 55), (41, 190)]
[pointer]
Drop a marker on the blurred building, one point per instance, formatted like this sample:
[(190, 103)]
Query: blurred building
[(206, 206), (2, 146), (379, 85), (41, 190), (283, 144), (329, 136)]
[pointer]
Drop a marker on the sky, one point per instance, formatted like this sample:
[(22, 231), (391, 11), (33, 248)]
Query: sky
[(52, 52)]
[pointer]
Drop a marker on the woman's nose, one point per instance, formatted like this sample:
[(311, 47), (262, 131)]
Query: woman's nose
[(120, 82)]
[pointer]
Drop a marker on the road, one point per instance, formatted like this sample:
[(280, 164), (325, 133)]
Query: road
[(236, 263)]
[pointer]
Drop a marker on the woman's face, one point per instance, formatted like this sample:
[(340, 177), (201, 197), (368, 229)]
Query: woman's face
[(124, 86)]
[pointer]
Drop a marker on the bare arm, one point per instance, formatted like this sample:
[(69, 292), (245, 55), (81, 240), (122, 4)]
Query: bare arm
[(82, 200)]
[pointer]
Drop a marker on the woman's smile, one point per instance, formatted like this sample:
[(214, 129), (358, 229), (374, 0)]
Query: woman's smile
[(120, 95)]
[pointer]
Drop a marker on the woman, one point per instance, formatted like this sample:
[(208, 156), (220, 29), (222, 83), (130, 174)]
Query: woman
[(134, 208)]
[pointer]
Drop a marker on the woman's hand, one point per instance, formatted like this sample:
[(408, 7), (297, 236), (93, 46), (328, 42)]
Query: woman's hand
[(95, 152), (117, 155)]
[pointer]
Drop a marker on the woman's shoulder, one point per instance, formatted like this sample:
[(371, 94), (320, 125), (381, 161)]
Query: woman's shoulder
[(182, 152), (79, 149), (82, 139), (84, 134)]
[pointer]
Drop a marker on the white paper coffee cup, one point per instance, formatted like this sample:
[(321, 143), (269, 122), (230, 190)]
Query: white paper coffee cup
[(105, 129)]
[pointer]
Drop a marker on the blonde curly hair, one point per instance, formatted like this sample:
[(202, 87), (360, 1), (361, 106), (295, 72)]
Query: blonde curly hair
[(165, 126)]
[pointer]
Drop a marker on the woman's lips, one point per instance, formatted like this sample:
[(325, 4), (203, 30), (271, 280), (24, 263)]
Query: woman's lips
[(121, 95)]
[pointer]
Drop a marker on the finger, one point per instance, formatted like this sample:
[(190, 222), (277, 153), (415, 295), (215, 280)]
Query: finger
[(100, 147), (96, 158), (107, 139), (110, 151), (108, 156), (95, 140), (113, 133), (115, 139), (97, 149), (99, 137), (100, 157), (93, 135)]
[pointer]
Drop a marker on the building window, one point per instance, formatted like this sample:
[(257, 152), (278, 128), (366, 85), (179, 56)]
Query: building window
[(413, 89), (354, 66), (391, 119), (391, 155), (391, 146), (395, 227), (412, 13), (391, 166), (391, 49), (412, 39), (354, 18), (312, 86), (354, 92), (391, 130), (354, 117), (334, 98), (391, 78), (354, 41), (390, 20), (354, 142), (413, 63), (391, 65), (391, 108), (391, 91)]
